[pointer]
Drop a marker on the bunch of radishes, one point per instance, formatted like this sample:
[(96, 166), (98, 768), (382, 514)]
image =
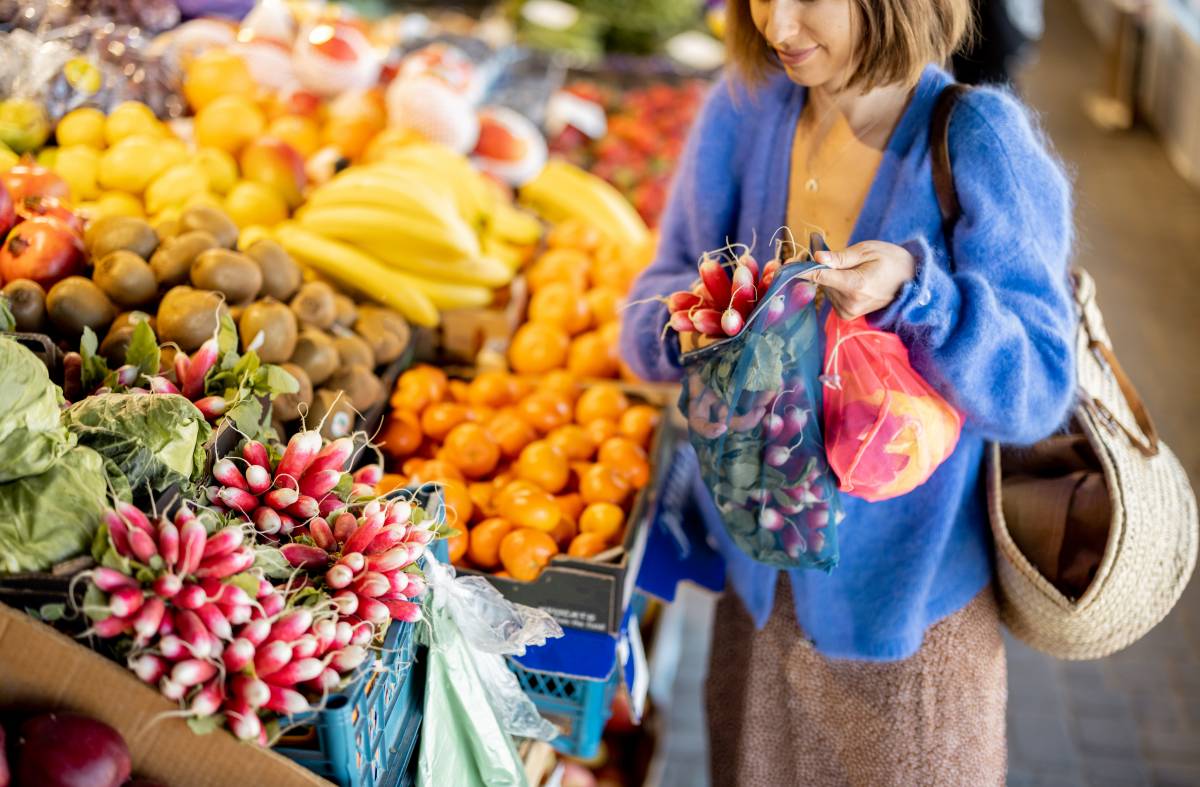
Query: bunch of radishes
[(278, 496)]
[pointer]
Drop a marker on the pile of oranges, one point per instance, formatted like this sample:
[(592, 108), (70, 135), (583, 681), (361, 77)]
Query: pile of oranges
[(577, 288), (531, 467)]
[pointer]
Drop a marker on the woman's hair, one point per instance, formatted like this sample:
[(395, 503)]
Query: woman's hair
[(898, 39)]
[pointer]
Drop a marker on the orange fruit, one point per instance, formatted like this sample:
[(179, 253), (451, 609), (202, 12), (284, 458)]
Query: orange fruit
[(458, 546), (574, 234), (491, 389), (571, 505), (601, 429), (587, 545), (538, 347), (458, 390), (435, 470), (529, 507), (402, 434), (511, 432), (559, 265), (484, 549), (412, 465), (504, 478), (639, 422), (427, 383), (601, 484), (525, 552), (564, 531), (573, 440), (610, 333), (469, 448), (603, 519), (563, 383), (459, 508), (545, 410), (482, 496), (544, 464), (438, 419), (627, 458), (389, 482), (603, 400), (559, 303), (604, 303), (591, 356)]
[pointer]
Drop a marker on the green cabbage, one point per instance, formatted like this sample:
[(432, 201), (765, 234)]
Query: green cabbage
[(48, 518), (31, 435), (155, 440)]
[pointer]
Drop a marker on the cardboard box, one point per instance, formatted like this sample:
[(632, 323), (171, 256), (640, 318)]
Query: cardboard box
[(41, 669)]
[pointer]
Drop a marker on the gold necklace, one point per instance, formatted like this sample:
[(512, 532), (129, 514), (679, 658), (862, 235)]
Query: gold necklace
[(813, 184)]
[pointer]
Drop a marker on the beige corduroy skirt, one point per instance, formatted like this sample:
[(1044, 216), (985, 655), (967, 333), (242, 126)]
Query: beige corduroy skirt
[(779, 713)]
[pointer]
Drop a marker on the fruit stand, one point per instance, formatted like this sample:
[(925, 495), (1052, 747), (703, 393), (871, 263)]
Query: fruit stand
[(293, 310)]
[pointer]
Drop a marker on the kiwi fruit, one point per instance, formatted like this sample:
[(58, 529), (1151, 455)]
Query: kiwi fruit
[(361, 386), (76, 303), (228, 272), (172, 263), (353, 349), (112, 233), (344, 310), (316, 354), (125, 278), (289, 407), (212, 221), (314, 305), (333, 412), (166, 361), (188, 317), (27, 301), (280, 274), (115, 345), (385, 331), (166, 229), (132, 319), (277, 325)]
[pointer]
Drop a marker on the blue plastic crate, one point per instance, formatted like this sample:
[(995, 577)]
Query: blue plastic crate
[(366, 735), (577, 706)]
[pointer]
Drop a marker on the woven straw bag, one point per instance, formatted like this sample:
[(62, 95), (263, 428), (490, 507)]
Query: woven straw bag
[(1096, 530)]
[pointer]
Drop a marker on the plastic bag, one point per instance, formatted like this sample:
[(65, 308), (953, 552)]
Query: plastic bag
[(471, 630), (886, 429), (751, 403)]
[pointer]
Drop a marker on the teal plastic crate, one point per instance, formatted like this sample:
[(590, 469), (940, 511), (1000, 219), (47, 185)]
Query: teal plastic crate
[(577, 706)]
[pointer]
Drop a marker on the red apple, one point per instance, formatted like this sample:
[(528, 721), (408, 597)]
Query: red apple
[(8, 216), (43, 250), (28, 179), (496, 141), (275, 163), (50, 208)]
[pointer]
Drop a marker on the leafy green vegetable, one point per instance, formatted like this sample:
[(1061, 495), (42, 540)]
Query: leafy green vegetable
[(143, 349), (7, 321), (31, 435), (765, 372), (50, 517), (95, 367), (155, 440)]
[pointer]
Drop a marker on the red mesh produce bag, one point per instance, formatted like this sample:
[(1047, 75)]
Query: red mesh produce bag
[(886, 429)]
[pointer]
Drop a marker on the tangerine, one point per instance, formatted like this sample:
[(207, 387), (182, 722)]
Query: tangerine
[(564, 531), (601, 429), (627, 458), (402, 435), (603, 400), (438, 419), (459, 508), (469, 448), (511, 432), (545, 465), (388, 482), (559, 303), (573, 440), (591, 356), (484, 549), (490, 389), (422, 385), (586, 545), (639, 422), (435, 470), (458, 547), (574, 234), (525, 552), (412, 465), (605, 303), (602, 484), (603, 519), (560, 265), (482, 496), (530, 507), (610, 333), (563, 383), (459, 391), (538, 347), (571, 505), (545, 410)]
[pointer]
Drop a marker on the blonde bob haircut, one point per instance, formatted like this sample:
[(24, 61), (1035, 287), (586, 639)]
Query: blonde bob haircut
[(898, 39)]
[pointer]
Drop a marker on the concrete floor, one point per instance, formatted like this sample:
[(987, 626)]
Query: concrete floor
[(1132, 719)]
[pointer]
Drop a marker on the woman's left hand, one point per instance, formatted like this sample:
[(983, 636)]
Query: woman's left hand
[(863, 278)]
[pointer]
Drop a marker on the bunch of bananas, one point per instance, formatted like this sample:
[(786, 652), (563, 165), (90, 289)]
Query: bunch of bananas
[(417, 228), (563, 192)]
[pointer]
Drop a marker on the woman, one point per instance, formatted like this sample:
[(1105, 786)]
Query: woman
[(889, 670)]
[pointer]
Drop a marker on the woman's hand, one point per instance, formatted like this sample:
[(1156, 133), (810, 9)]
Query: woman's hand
[(863, 278)]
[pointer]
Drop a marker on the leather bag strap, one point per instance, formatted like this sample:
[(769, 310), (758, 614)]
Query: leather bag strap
[(1147, 442), (939, 151)]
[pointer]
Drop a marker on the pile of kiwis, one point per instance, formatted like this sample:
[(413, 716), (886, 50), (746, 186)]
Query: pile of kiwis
[(183, 275)]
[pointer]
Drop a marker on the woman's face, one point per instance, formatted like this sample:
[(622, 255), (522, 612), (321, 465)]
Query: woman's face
[(814, 39)]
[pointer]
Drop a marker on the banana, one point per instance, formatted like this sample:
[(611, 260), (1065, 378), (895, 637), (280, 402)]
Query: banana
[(450, 238), (494, 246), (514, 225), (439, 164), (478, 271), (564, 191), (365, 186), (361, 271)]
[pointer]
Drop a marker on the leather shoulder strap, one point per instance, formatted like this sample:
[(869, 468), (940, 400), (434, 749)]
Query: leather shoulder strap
[(939, 150)]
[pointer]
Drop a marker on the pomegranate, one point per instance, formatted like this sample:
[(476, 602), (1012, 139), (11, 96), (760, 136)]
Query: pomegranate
[(43, 250), (33, 207), (8, 216), (28, 179)]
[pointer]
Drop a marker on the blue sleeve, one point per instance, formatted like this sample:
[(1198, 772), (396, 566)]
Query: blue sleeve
[(995, 331), (699, 215)]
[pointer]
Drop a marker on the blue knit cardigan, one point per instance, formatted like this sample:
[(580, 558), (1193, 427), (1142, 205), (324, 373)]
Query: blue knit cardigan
[(992, 332)]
